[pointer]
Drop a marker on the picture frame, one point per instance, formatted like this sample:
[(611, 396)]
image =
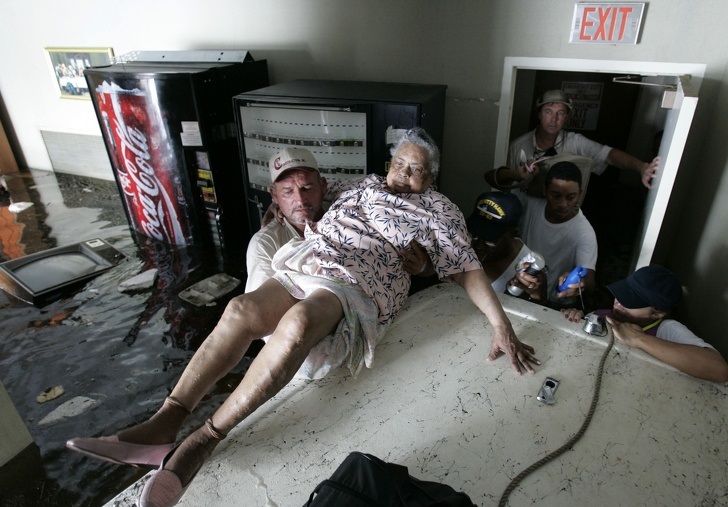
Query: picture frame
[(67, 65)]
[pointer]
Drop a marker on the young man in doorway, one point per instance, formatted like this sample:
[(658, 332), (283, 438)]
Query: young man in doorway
[(555, 226)]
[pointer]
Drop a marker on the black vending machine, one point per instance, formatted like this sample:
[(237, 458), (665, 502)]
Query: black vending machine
[(169, 128), (349, 126)]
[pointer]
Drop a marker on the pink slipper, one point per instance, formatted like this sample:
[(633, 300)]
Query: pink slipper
[(113, 450), (163, 489)]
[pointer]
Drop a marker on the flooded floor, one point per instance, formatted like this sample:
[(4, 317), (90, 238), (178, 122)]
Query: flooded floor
[(116, 354)]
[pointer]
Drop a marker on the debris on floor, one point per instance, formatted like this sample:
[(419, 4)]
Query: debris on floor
[(17, 207), (208, 290), (71, 408), (139, 282), (50, 394)]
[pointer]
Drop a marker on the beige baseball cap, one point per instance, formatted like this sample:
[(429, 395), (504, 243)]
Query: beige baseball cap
[(554, 96), (291, 158)]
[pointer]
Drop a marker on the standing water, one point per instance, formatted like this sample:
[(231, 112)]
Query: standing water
[(116, 355)]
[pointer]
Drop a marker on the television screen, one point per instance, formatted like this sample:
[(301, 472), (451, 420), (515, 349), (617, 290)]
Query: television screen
[(41, 276)]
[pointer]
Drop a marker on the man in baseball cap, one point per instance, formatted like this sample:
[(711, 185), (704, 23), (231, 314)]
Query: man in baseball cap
[(297, 190), (549, 138), (289, 159), (642, 302), (495, 214), (554, 96), (494, 228), (651, 286)]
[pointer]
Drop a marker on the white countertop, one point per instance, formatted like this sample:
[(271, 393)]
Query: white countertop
[(434, 404)]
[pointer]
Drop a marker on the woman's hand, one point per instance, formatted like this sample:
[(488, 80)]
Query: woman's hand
[(416, 261), (572, 314)]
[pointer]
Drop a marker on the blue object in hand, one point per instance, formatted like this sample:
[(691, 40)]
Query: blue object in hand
[(574, 277)]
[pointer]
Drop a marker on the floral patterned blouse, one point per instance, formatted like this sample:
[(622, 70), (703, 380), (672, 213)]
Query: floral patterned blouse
[(360, 236)]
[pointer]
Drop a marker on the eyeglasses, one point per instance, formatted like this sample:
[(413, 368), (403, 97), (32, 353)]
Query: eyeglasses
[(416, 171)]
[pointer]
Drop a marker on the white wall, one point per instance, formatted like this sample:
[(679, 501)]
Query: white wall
[(14, 435), (460, 43)]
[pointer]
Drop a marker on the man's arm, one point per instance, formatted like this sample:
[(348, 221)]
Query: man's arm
[(262, 248), (624, 160), (700, 362), (258, 261), (504, 338), (586, 255), (505, 178)]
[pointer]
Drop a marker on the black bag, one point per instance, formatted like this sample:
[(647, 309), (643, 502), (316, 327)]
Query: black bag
[(363, 480)]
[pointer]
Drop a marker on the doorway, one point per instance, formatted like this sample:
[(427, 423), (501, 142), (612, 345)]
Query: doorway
[(626, 216)]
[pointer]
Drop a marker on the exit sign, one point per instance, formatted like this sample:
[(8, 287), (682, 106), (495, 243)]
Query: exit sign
[(606, 23)]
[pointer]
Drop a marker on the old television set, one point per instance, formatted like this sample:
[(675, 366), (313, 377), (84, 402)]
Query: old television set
[(43, 276)]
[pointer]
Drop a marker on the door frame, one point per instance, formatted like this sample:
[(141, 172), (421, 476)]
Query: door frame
[(669, 152)]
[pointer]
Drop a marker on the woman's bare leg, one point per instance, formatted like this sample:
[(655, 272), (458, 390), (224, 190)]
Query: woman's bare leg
[(246, 318), (302, 327)]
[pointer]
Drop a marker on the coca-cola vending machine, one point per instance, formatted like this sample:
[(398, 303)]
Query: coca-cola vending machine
[(168, 124)]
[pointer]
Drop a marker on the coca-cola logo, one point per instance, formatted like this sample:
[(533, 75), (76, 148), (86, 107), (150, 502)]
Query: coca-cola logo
[(138, 179)]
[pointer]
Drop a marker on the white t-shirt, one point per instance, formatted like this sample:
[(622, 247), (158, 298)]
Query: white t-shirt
[(674, 331), (262, 247), (563, 246), (566, 142)]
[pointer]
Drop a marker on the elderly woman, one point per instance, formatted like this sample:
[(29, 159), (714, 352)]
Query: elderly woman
[(331, 300)]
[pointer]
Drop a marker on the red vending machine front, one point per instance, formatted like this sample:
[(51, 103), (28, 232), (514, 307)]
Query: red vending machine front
[(170, 134)]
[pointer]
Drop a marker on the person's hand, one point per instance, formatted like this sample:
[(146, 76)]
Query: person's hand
[(415, 260), (649, 171), (572, 290), (532, 284), (505, 342), (626, 332), (533, 167), (272, 213), (528, 170), (528, 166), (572, 314)]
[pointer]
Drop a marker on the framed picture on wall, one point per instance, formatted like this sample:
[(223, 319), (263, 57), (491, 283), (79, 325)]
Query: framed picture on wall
[(67, 66)]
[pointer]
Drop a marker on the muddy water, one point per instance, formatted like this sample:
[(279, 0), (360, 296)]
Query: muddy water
[(120, 353)]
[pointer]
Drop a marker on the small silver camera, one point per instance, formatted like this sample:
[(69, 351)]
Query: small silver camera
[(546, 394)]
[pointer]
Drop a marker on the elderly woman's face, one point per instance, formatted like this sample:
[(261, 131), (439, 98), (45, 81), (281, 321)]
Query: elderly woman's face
[(409, 170)]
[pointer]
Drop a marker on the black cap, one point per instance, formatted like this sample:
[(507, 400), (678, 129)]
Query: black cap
[(653, 286), (495, 214)]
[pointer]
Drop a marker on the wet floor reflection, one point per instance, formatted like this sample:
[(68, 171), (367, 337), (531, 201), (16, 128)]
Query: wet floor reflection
[(123, 352)]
